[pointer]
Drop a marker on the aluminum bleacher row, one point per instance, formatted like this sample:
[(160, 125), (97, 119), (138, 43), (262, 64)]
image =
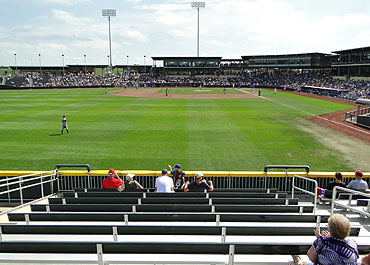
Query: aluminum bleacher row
[(221, 227)]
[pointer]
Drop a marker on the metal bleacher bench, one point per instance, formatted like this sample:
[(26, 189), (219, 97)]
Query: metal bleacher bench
[(176, 195), (172, 208), (168, 200), (161, 230), (168, 217), (221, 253)]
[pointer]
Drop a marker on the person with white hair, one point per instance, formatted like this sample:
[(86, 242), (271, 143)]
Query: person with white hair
[(131, 184)]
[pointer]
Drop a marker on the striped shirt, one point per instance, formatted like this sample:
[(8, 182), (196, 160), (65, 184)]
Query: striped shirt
[(333, 251)]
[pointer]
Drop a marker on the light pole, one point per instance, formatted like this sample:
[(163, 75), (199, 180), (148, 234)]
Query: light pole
[(15, 62), (63, 62), (127, 59), (85, 62), (198, 5), (40, 62), (145, 63), (109, 13)]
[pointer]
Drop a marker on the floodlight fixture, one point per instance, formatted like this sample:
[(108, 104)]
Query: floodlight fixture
[(198, 5), (109, 13)]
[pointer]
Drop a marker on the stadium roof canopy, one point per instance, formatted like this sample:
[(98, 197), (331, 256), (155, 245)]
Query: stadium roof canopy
[(284, 55), (353, 50), (185, 58)]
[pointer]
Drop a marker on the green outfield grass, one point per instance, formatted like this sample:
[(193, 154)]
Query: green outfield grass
[(143, 133)]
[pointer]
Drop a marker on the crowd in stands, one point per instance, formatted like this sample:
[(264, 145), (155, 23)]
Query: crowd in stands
[(292, 81)]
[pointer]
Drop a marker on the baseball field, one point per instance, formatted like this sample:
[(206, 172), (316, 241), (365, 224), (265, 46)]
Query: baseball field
[(126, 132)]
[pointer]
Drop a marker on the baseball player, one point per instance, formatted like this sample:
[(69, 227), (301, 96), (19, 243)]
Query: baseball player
[(64, 124)]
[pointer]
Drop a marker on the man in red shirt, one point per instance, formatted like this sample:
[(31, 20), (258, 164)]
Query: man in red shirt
[(113, 182)]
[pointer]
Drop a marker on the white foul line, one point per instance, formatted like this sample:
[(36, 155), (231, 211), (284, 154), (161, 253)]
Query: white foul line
[(325, 119)]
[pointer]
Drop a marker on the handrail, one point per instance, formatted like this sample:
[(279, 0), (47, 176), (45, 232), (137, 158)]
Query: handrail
[(26, 176), (286, 167), (21, 181), (306, 191), (71, 165), (356, 192), (26, 180)]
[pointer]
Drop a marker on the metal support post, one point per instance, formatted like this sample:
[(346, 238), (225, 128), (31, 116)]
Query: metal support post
[(27, 218), (115, 233), (42, 186), (218, 219), (21, 189), (99, 250), (125, 219), (223, 234), (231, 254)]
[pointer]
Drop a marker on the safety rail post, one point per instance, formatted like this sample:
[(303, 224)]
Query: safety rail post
[(20, 190), (42, 186), (7, 185), (314, 194)]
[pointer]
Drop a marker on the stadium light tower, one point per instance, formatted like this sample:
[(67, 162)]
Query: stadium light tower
[(85, 62), (198, 5), (40, 62), (63, 62), (109, 13), (15, 61)]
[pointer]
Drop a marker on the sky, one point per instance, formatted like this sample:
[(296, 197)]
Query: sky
[(146, 28)]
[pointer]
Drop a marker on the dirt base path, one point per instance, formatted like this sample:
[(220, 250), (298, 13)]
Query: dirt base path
[(152, 93)]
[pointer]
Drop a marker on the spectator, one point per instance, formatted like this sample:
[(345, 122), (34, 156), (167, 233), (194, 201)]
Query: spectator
[(130, 183), (358, 183), (337, 182), (333, 246), (199, 184), (164, 183), (178, 177), (113, 182)]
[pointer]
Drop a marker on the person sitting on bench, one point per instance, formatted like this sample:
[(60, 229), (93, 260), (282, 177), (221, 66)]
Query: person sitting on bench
[(113, 182), (333, 246), (358, 183), (331, 185), (199, 184), (130, 183)]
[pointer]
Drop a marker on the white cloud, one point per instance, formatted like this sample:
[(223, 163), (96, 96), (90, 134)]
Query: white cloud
[(133, 1), (65, 2), (136, 35), (219, 43), (69, 18)]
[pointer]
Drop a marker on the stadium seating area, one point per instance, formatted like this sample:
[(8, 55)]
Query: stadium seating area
[(292, 81), (250, 226)]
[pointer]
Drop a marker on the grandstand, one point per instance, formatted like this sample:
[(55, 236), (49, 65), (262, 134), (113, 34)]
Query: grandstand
[(64, 217)]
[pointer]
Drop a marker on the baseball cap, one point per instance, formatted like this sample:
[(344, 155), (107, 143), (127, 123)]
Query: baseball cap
[(359, 173), (129, 177), (164, 171), (198, 175), (111, 171), (177, 166)]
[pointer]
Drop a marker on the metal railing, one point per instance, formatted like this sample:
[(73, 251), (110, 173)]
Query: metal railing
[(20, 182), (306, 190), (334, 201), (286, 167), (351, 116)]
